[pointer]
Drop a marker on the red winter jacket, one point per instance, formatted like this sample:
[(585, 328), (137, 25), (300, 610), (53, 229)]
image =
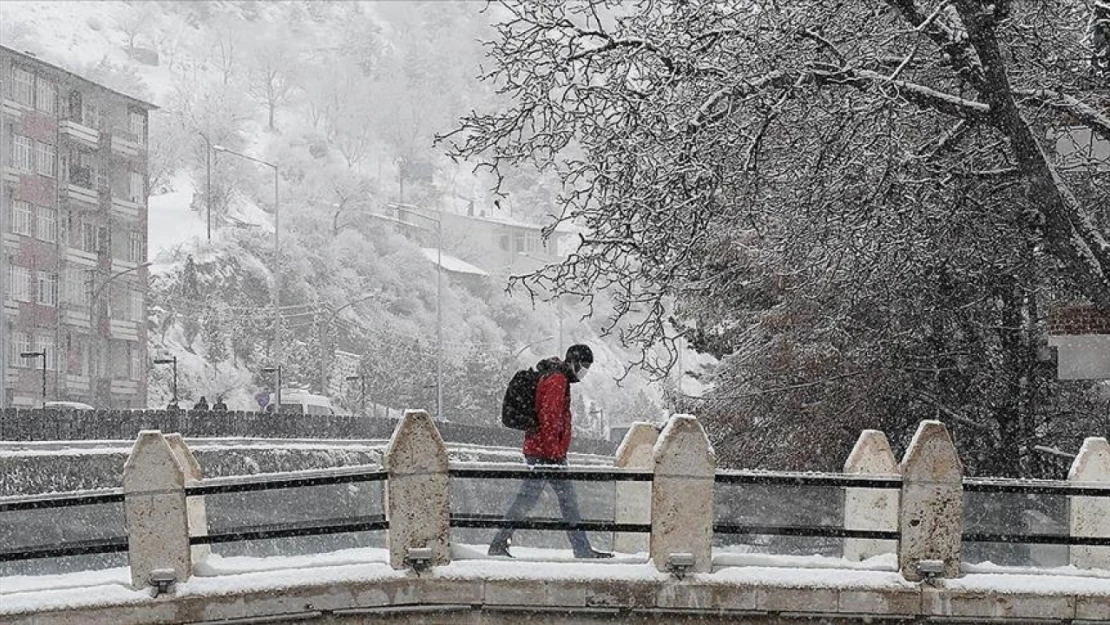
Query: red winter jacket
[(551, 440)]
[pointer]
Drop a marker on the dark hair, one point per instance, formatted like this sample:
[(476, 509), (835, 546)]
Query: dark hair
[(580, 353)]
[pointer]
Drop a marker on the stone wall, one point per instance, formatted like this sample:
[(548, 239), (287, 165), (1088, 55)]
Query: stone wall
[(53, 425)]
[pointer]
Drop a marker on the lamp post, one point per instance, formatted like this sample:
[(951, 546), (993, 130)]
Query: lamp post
[(94, 336), (277, 249), (277, 370), (39, 354), (170, 361), (362, 392), (331, 318), (521, 350), (208, 179)]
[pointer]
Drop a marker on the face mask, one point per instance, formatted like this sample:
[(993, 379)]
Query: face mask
[(580, 371)]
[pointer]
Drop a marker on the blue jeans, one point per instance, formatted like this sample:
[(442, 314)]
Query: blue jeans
[(530, 491)]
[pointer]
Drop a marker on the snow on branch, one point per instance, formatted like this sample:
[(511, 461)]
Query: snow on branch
[(1076, 108)]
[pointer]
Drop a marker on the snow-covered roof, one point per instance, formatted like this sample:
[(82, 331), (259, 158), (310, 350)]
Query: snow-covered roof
[(451, 263)]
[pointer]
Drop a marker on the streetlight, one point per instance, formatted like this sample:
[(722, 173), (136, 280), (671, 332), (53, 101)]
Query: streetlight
[(362, 391), (331, 318), (208, 179), (94, 337), (277, 370), (170, 361), (521, 350), (277, 248), (39, 354), (439, 296)]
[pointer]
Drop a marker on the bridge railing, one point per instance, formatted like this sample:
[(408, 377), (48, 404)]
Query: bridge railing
[(668, 499)]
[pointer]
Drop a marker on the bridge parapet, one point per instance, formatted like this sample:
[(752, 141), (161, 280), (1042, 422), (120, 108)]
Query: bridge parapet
[(680, 520)]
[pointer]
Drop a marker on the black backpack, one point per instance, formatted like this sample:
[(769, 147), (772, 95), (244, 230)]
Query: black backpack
[(518, 410)]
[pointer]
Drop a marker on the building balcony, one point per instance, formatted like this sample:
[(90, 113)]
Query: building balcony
[(79, 383), (81, 257), (80, 133), (76, 317), (125, 208), (124, 330), (120, 265), (125, 387), (11, 175), (125, 146), (14, 109), (82, 194)]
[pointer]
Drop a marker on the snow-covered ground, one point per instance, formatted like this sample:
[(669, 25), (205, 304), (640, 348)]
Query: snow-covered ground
[(221, 576)]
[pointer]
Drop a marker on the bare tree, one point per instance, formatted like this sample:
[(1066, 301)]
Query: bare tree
[(856, 204), (272, 72)]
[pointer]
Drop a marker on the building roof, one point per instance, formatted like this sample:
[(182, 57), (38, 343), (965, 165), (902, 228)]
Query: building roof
[(33, 58), (451, 263)]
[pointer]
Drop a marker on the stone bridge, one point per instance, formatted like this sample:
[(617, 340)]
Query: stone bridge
[(904, 533)]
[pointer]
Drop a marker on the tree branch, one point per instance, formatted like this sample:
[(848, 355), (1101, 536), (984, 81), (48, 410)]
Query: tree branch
[(1082, 112)]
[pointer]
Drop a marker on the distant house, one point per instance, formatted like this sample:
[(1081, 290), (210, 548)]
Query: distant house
[(499, 246)]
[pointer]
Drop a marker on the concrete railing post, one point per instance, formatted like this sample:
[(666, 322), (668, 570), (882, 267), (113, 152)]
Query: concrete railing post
[(1090, 516), (632, 501), (198, 515), (930, 517), (154, 510), (682, 495), (417, 501), (870, 508)]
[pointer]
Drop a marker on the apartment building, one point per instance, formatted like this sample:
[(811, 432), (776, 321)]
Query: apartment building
[(74, 227)]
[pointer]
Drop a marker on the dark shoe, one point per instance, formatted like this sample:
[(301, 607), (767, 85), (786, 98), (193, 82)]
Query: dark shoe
[(499, 550), (594, 554)]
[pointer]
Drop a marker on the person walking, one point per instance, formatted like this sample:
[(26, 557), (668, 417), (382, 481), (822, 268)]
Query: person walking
[(201, 405), (546, 448), (219, 406)]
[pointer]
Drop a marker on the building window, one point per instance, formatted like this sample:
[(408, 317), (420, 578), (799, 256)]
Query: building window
[(44, 157), (19, 281), (90, 115), (89, 238), (135, 249), (23, 153), (47, 224), (82, 169), (47, 288), (23, 218), (46, 96), (135, 304), (76, 287), (23, 90), (135, 370), (136, 124), (136, 186), (20, 342)]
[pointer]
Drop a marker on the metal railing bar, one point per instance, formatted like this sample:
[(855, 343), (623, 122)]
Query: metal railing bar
[(812, 531), (76, 548), (1037, 539), (807, 479), (490, 521), (274, 481), (1044, 487), (313, 527), (576, 474), (62, 500)]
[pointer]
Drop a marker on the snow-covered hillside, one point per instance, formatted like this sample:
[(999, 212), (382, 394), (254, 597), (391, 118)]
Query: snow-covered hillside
[(347, 98)]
